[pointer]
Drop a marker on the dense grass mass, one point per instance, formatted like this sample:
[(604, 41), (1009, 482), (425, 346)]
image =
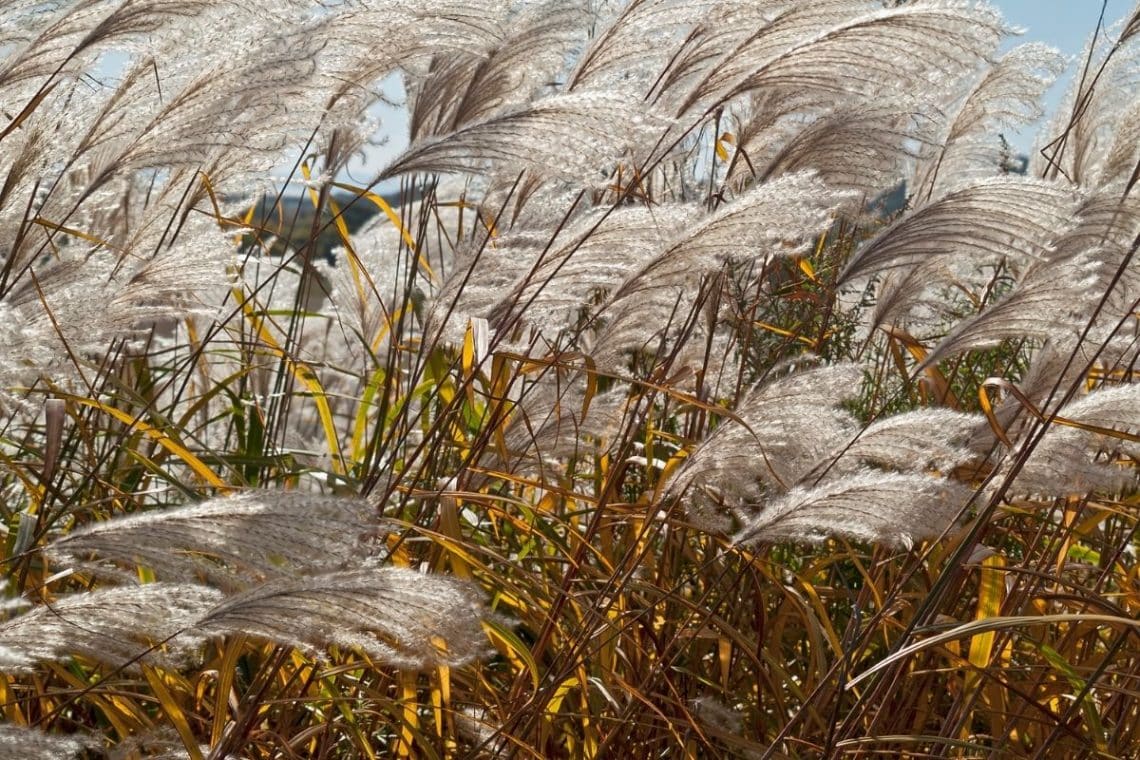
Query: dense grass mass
[(715, 385)]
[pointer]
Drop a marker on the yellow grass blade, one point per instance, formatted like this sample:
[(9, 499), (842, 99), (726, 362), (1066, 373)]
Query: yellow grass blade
[(75, 233), (1028, 405), (27, 110), (173, 712), (234, 647), (783, 333), (725, 139), (366, 405), (126, 716), (398, 223), (1089, 709), (161, 438), (918, 352), (441, 698), (554, 704), (410, 720), (513, 648), (304, 375), (991, 594)]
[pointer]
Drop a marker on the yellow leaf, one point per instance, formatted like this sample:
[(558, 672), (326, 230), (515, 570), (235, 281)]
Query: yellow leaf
[(807, 269), (554, 704), (32, 105), (164, 440), (411, 716), (513, 648), (389, 212), (991, 593), (226, 673), (173, 712), (721, 151), (724, 655), (304, 374), (441, 697), (75, 233)]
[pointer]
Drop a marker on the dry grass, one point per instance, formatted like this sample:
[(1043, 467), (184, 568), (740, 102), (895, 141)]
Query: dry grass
[(630, 431)]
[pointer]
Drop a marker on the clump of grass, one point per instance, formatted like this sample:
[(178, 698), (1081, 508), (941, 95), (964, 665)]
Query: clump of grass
[(627, 425)]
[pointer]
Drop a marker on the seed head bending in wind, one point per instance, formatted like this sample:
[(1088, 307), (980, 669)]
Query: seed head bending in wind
[(473, 84), (779, 432), (116, 626), (1049, 300), (896, 509), (832, 50), (983, 222), (576, 137), (230, 541), (773, 218), (1007, 95), (20, 743), (396, 615), (925, 439), (1072, 461)]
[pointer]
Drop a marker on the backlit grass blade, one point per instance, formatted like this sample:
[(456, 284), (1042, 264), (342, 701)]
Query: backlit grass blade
[(991, 594), (160, 437), (304, 374), (389, 212), (993, 624), (173, 712)]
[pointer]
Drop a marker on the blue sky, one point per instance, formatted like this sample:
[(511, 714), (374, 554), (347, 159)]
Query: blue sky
[(1064, 24)]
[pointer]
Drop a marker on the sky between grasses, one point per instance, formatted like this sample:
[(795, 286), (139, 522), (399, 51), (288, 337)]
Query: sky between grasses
[(1065, 24)]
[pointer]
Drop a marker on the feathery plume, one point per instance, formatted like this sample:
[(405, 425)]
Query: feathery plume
[(724, 27), (779, 432), (1083, 128), (231, 542), (1008, 94), (1059, 362), (1049, 299), (863, 149), (396, 615), (576, 137), (1067, 463), (1071, 461), (909, 442), (464, 87), (111, 625), (896, 509), (984, 221), (19, 743), (905, 292), (481, 274), (57, 36), (1131, 26), (1118, 167), (775, 218), (629, 49), (857, 57), (600, 254), (715, 59), (235, 109), (552, 422)]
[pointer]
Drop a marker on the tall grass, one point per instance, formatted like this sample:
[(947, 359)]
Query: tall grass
[(634, 427)]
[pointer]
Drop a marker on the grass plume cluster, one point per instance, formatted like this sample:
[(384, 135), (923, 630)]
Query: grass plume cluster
[(631, 425)]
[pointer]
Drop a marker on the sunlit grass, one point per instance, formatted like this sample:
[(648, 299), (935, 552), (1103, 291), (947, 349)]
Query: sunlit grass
[(624, 401)]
